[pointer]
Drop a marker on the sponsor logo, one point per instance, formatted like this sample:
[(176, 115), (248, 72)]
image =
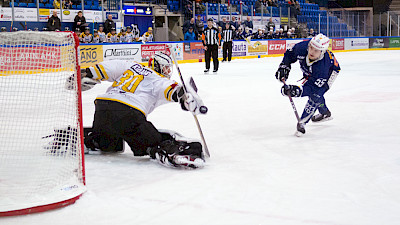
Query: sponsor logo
[(359, 43), (276, 47), (66, 12), (121, 52), (378, 42), (338, 44), (69, 188), (139, 69)]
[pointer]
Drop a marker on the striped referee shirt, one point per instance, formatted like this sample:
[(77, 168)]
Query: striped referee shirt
[(227, 35), (211, 36)]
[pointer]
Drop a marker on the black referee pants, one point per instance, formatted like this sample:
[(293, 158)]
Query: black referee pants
[(114, 120), (227, 50), (212, 51)]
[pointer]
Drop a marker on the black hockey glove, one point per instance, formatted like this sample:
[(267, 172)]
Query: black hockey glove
[(283, 72), (292, 90)]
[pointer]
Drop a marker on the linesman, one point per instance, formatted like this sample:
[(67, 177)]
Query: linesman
[(211, 41), (227, 36)]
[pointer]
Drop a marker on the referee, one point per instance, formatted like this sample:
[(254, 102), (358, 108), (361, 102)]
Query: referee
[(211, 41), (227, 36)]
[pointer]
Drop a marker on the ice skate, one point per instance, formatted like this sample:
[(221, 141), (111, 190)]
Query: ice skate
[(322, 117)]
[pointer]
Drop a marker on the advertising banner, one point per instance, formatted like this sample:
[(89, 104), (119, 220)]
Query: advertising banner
[(90, 55), (5, 14), (193, 50), (122, 52), (138, 10), (394, 42), (356, 43), (276, 47), (291, 43), (379, 43), (30, 58), (337, 44), (44, 15), (25, 14), (239, 48), (148, 50), (258, 48)]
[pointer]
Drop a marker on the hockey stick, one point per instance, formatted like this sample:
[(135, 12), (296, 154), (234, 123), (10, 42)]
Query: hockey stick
[(203, 109), (292, 103)]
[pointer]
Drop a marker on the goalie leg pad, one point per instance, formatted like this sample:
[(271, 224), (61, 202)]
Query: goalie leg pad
[(178, 154)]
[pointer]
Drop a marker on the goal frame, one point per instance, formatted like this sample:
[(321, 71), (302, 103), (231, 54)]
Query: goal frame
[(51, 206)]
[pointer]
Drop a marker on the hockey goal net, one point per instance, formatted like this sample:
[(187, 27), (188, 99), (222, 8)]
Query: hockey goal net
[(41, 150)]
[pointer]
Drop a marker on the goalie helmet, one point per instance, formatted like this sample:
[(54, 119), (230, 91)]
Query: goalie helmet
[(162, 64), (320, 42)]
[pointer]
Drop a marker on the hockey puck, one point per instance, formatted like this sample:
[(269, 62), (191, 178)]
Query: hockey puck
[(203, 109)]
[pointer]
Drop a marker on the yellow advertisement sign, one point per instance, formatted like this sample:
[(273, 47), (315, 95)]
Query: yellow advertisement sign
[(330, 45), (90, 55), (258, 48)]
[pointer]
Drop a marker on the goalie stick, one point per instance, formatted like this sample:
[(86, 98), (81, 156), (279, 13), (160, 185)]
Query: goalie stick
[(203, 109)]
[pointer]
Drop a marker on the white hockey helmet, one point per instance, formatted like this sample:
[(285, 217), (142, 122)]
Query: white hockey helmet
[(162, 64), (320, 42)]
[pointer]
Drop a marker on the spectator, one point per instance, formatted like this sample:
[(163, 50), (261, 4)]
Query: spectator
[(223, 22), (234, 23), (112, 37), (86, 36), (200, 8), (79, 21), (148, 36), (188, 10), (96, 37), (189, 23), (69, 4), (311, 33), (57, 4), (108, 24), (258, 6), (102, 34), (199, 25), (270, 34), (190, 35), (270, 24), (54, 22), (248, 23), (272, 3)]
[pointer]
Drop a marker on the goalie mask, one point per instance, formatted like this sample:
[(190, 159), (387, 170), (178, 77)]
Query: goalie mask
[(162, 64)]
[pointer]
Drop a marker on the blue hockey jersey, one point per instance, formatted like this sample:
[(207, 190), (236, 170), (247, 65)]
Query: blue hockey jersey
[(319, 74)]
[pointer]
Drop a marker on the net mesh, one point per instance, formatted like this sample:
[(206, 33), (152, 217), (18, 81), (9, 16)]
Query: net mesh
[(40, 151)]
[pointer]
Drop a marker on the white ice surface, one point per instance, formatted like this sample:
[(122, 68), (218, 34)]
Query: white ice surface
[(342, 172)]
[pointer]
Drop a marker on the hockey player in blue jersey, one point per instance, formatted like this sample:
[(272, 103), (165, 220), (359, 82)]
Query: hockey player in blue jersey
[(320, 69)]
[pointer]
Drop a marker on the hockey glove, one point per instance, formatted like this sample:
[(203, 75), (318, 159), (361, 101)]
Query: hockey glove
[(88, 83), (283, 72), (292, 90)]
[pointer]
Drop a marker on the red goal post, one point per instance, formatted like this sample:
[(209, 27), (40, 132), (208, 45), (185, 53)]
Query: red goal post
[(41, 133)]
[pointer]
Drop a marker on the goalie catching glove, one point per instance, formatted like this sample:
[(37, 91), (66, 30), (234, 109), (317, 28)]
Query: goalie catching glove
[(87, 82), (190, 101)]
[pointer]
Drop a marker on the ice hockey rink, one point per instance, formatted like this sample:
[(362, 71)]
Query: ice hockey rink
[(342, 172)]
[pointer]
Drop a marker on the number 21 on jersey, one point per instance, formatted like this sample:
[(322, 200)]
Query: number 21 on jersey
[(129, 81)]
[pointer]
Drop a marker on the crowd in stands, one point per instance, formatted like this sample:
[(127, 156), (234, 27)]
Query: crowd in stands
[(54, 4), (193, 28)]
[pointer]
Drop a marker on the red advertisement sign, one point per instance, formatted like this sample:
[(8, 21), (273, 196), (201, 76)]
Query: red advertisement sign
[(149, 50), (193, 50), (337, 44), (276, 47), (29, 58)]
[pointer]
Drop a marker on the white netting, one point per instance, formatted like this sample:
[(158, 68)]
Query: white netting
[(40, 150)]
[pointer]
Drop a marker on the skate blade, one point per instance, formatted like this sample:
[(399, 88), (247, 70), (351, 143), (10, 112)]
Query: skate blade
[(323, 120), (298, 134)]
